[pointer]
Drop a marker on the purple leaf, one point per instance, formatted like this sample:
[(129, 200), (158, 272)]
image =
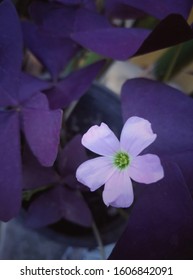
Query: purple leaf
[(161, 9), (89, 4), (30, 85), (68, 160), (10, 175), (10, 47), (53, 17), (167, 232), (73, 86), (56, 204), (34, 174), (161, 222), (42, 129), (170, 31), (168, 110), (94, 32), (184, 161), (6, 99), (53, 51), (118, 9)]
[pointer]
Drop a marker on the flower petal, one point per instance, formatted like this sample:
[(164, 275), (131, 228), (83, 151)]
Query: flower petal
[(95, 172), (118, 191), (146, 169), (136, 135), (101, 140)]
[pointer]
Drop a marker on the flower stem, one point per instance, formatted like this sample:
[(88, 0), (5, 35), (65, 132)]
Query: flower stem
[(173, 63), (99, 240)]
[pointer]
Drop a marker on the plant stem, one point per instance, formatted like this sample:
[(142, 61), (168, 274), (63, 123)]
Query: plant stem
[(99, 240), (173, 63)]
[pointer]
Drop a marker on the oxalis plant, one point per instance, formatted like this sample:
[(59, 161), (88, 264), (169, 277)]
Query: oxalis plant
[(50, 54)]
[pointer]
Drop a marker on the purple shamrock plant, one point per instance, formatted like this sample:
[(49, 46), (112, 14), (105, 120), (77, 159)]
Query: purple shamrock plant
[(23, 108), (119, 161), (74, 41), (62, 199)]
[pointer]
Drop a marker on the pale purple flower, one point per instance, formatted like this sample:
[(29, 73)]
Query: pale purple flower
[(119, 162)]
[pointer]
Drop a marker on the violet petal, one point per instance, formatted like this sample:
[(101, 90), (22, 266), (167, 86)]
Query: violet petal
[(136, 135), (118, 190), (146, 169), (101, 140), (95, 172)]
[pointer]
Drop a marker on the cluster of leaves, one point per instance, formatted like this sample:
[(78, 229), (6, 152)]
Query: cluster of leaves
[(57, 33)]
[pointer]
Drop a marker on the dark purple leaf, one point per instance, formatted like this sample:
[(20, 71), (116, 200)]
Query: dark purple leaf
[(89, 4), (170, 31), (161, 222), (117, 9), (56, 204), (161, 9), (53, 51), (6, 99), (68, 159), (42, 129), (94, 32), (73, 86), (34, 174), (168, 109), (184, 161), (54, 17), (30, 85), (10, 47), (89, 21), (165, 229), (10, 175)]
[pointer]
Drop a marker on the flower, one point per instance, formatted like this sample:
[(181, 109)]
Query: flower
[(119, 161), (160, 226)]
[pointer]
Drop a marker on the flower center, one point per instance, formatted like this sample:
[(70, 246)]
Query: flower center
[(121, 160)]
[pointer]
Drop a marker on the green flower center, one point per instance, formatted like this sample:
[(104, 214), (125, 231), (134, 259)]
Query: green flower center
[(121, 160)]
